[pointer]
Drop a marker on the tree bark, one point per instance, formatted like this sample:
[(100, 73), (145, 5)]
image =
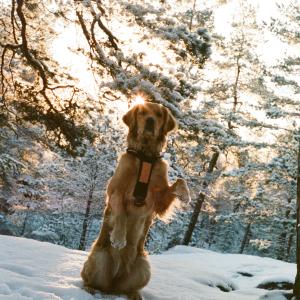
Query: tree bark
[(297, 280), (211, 231), (199, 202), (289, 247), (24, 224), (245, 239), (282, 239), (235, 90), (85, 220)]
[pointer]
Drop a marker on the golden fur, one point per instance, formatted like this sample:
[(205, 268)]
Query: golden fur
[(117, 262)]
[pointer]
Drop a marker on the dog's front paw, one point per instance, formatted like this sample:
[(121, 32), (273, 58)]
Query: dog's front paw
[(182, 191), (118, 241)]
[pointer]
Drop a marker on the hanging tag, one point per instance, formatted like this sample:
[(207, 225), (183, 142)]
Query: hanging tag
[(141, 187), (145, 172)]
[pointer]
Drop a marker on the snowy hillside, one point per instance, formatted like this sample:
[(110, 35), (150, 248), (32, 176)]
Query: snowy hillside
[(37, 270)]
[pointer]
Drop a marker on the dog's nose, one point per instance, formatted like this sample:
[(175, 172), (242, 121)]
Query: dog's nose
[(149, 124)]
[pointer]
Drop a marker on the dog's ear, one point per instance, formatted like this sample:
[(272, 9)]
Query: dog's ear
[(170, 123), (130, 117)]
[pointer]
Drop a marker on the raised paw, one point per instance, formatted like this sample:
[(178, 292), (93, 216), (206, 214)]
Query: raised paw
[(181, 190), (118, 241)]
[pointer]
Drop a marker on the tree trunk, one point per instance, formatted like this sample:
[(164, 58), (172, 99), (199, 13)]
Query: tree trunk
[(199, 202), (24, 224), (211, 232), (289, 247), (235, 90), (85, 220), (246, 237), (282, 239), (297, 280)]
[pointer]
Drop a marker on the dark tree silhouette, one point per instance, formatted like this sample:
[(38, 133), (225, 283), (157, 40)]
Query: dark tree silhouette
[(199, 201), (297, 280)]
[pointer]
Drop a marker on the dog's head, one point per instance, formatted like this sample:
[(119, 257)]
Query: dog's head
[(149, 119), (149, 123)]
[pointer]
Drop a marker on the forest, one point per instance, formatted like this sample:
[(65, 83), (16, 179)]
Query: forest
[(228, 70)]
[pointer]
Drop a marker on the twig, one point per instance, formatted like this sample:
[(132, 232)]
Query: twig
[(12, 20), (84, 29), (10, 70), (100, 7), (192, 16), (92, 41), (11, 46), (107, 93), (60, 87), (112, 39)]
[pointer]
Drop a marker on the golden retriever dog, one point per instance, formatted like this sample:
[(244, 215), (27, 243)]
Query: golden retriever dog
[(137, 193)]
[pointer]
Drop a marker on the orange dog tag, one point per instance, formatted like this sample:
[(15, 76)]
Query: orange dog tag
[(145, 172)]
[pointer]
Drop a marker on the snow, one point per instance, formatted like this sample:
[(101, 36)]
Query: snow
[(40, 271)]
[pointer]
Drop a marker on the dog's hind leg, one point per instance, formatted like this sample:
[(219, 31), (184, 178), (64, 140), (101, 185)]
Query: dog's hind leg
[(141, 243), (137, 278), (135, 296), (97, 271)]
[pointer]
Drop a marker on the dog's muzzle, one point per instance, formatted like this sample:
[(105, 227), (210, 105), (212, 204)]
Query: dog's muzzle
[(149, 126)]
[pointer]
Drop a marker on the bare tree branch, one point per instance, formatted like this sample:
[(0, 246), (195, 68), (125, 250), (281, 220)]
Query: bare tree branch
[(36, 64), (112, 39), (12, 20)]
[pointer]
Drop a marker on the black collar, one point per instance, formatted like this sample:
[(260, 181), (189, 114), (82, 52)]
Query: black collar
[(143, 157)]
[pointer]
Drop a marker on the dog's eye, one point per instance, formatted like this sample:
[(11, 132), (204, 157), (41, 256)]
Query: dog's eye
[(159, 114), (142, 113)]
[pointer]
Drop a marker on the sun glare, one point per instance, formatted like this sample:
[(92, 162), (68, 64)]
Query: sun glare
[(137, 100)]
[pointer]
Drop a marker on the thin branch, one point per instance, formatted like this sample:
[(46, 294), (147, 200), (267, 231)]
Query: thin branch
[(3, 91), (10, 70), (61, 87), (96, 46), (12, 20), (106, 95), (90, 37), (83, 26), (192, 16), (11, 46), (30, 58), (102, 10), (36, 64), (112, 39)]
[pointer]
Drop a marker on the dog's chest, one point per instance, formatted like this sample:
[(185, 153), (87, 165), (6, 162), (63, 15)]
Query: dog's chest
[(154, 188)]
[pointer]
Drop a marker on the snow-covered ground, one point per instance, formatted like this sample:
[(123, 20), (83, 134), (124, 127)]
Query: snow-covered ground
[(37, 270)]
